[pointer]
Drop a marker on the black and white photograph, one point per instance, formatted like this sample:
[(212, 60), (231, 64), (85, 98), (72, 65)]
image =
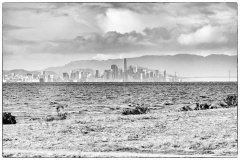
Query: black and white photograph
[(119, 79)]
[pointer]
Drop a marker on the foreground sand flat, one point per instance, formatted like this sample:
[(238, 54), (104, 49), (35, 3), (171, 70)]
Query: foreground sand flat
[(197, 133)]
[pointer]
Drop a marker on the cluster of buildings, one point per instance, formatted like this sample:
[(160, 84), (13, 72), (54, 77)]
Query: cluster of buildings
[(114, 74), (30, 78)]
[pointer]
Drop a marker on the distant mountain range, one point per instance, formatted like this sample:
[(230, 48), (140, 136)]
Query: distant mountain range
[(183, 64)]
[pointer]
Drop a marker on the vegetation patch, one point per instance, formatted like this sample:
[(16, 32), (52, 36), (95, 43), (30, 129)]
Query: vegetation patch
[(8, 118), (139, 109)]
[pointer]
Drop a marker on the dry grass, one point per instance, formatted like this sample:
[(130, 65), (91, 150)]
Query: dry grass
[(211, 132), (102, 128)]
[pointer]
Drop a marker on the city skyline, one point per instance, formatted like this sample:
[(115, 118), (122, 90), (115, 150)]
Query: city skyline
[(114, 74), (82, 31), (211, 68)]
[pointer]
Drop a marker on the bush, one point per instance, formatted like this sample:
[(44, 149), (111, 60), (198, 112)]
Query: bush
[(231, 100), (8, 118), (58, 117), (137, 110)]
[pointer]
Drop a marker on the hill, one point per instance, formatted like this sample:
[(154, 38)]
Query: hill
[(184, 64)]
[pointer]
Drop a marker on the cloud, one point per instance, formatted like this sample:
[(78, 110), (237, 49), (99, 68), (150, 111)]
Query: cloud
[(156, 34), (111, 29), (7, 27), (206, 34), (233, 5), (114, 56), (108, 43)]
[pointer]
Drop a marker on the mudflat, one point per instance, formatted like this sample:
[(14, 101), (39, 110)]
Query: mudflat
[(95, 126)]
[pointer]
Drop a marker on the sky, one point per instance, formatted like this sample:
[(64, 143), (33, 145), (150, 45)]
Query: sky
[(42, 35)]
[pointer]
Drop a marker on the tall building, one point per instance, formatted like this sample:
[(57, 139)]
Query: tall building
[(43, 73), (65, 75), (114, 71), (48, 78), (125, 68), (120, 73), (141, 77), (130, 71), (41, 80), (147, 75), (52, 78), (105, 75), (77, 75), (165, 74), (97, 74), (156, 73), (110, 74), (151, 74), (81, 75), (72, 75)]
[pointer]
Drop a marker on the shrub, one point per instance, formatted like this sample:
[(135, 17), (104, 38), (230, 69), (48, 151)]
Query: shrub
[(137, 110), (8, 118), (58, 117), (231, 100)]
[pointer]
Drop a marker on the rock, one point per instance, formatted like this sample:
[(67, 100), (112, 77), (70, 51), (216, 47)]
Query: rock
[(8, 118)]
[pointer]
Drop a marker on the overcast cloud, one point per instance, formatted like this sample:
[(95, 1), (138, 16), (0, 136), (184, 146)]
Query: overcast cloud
[(75, 31)]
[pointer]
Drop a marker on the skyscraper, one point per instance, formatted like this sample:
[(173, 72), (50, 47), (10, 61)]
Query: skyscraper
[(120, 73), (77, 75), (65, 76), (156, 73), (130, 71), (42, 76), (125, 68), (165, 75), (97, 74), (115, 71), (43, 73), (105, 75), (151, 74)]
